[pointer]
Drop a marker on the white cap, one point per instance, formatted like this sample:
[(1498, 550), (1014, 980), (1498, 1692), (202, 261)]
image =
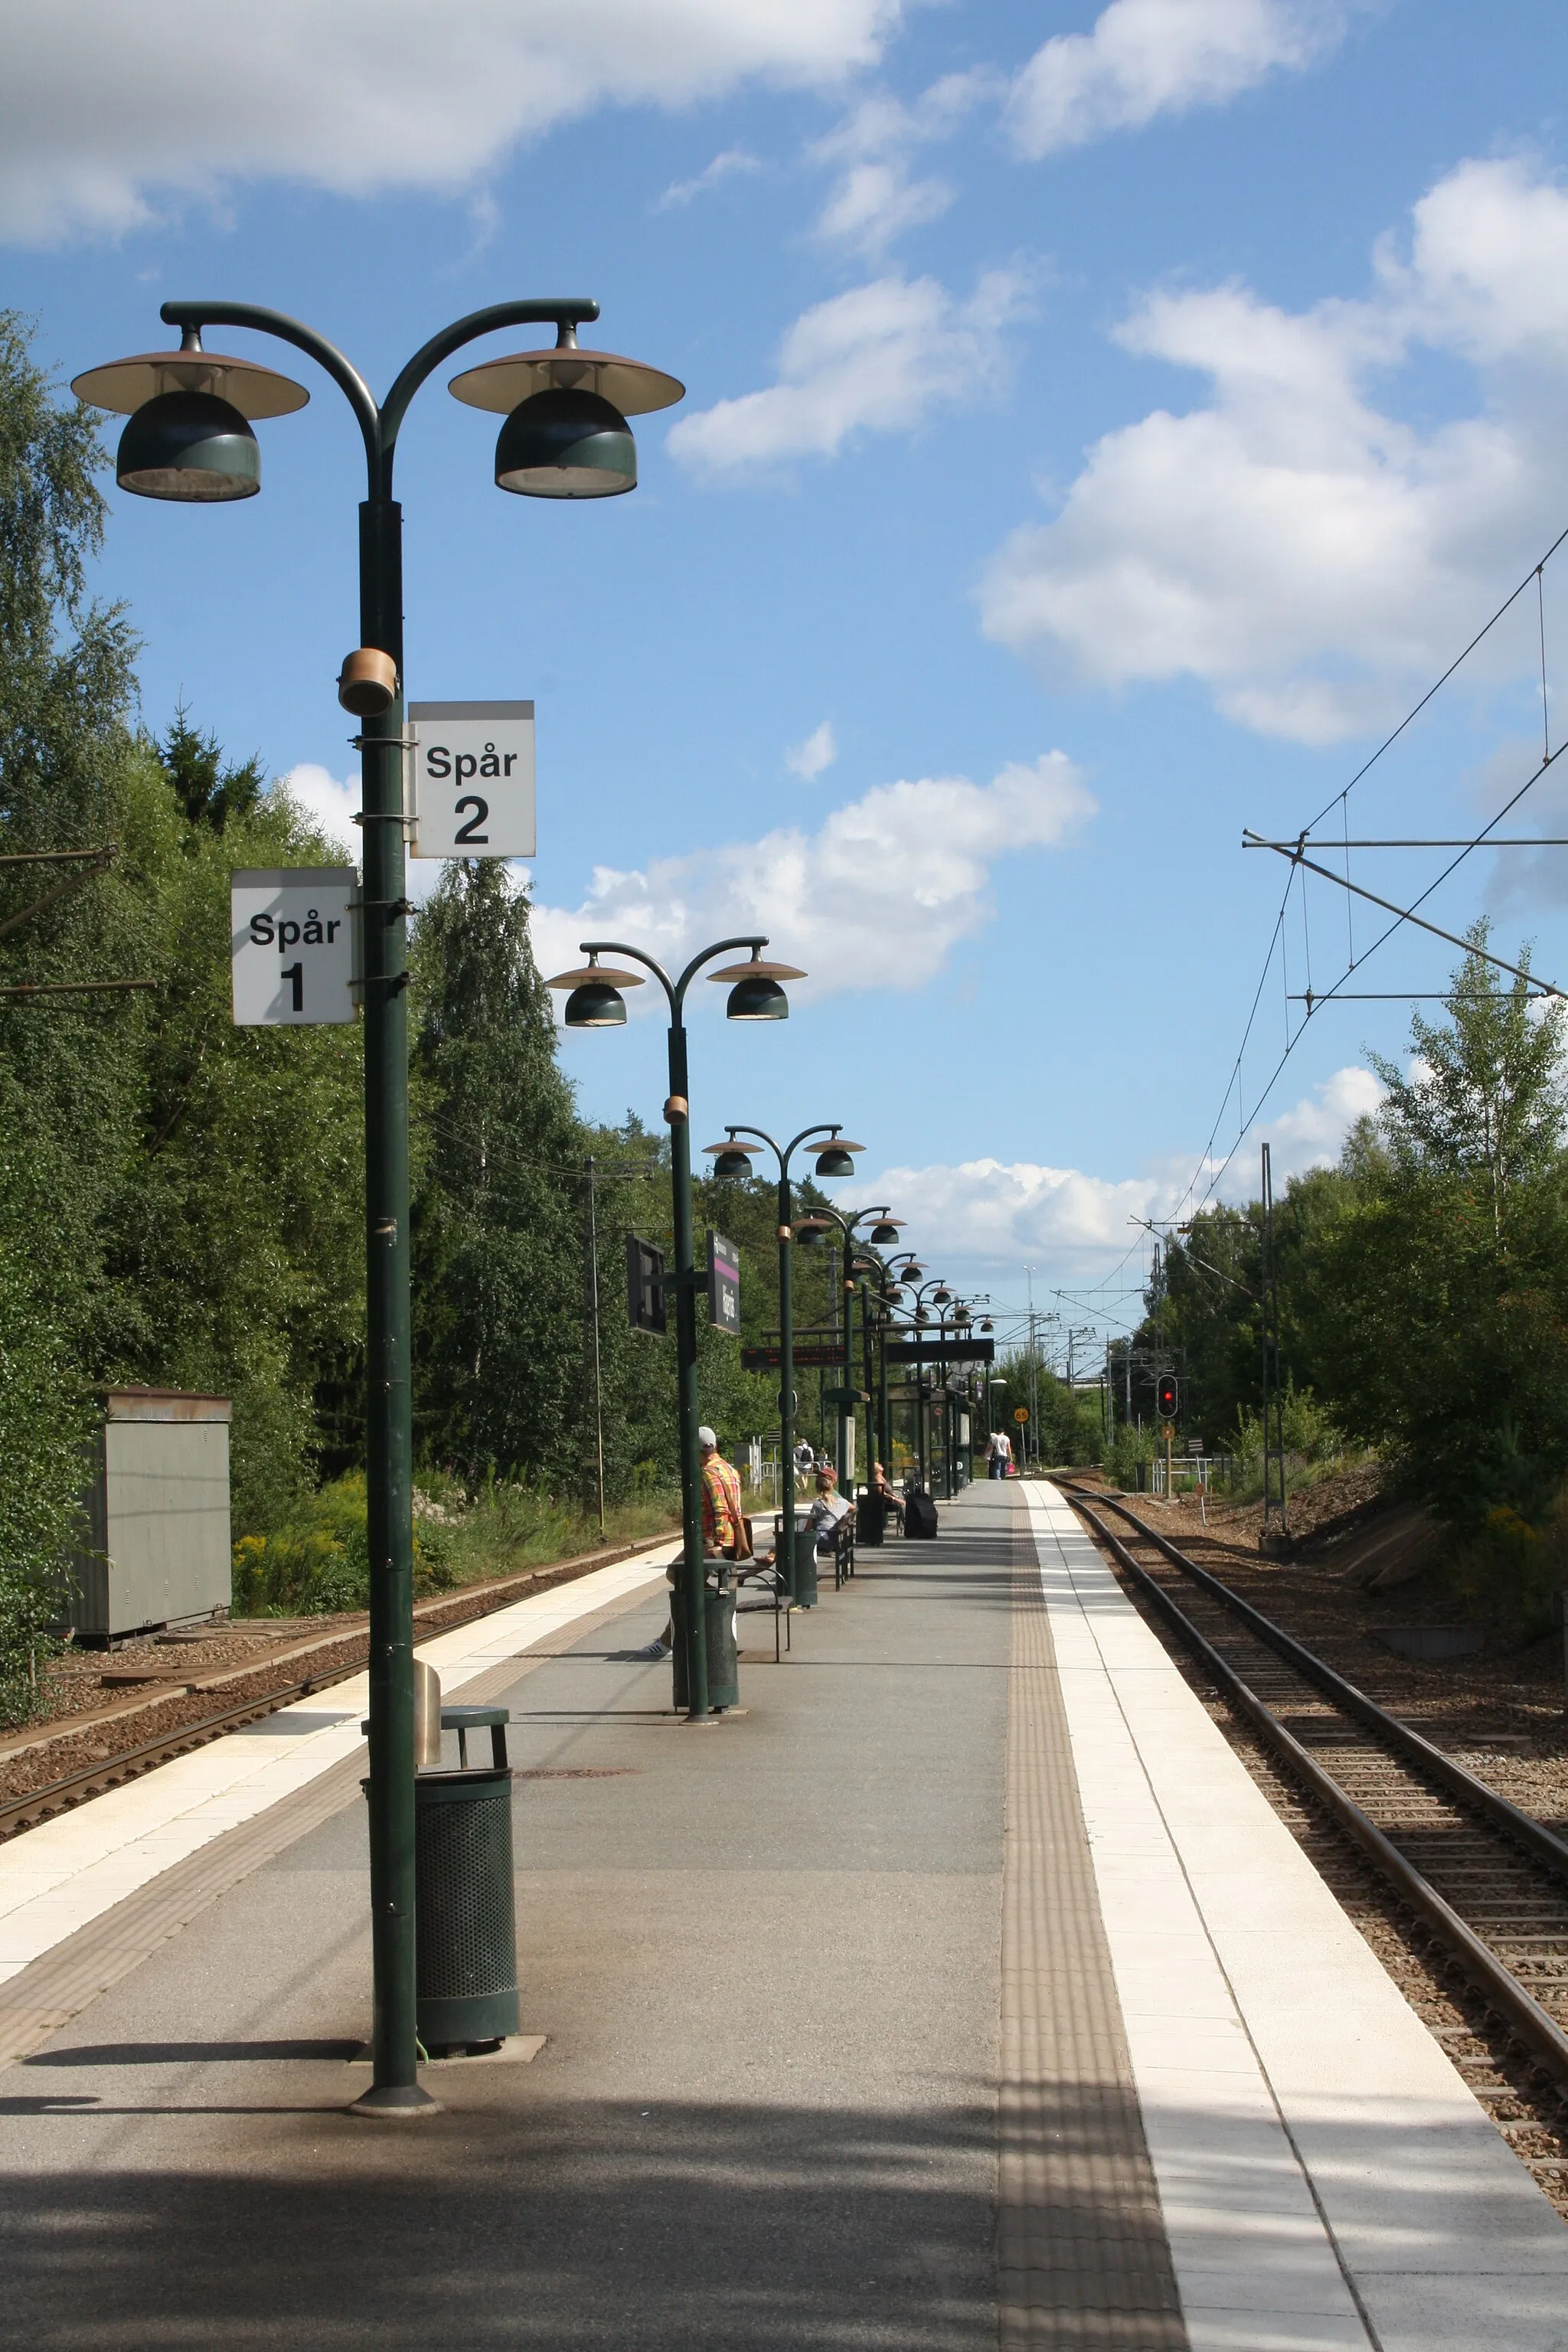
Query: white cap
[(705, 1437)]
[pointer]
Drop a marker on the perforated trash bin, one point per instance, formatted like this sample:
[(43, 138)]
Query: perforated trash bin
[(723, 1663), (465, 1910), (805, 1567), (871, 1518)]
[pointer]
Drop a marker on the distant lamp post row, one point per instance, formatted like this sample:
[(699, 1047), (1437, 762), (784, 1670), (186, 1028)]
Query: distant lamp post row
[(596, 1000), (884, 1232), (732, 1159), (190, 439)]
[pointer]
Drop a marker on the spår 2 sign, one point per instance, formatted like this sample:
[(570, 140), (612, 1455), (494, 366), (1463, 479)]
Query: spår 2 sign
[(473, 779)]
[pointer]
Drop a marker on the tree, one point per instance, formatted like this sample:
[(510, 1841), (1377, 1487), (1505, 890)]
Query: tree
[(498, 1252), (1486, 1099), (1438, 1306)]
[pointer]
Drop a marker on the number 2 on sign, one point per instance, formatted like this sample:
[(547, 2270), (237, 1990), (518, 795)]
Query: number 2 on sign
[(481, 813)]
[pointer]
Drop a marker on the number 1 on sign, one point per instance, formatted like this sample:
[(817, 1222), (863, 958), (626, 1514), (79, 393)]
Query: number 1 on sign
[(294, 973)]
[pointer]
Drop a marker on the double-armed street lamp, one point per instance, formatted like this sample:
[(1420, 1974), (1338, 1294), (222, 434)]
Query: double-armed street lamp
[(189, 440), (734, 1159), (596, 1002), (883, 1235)]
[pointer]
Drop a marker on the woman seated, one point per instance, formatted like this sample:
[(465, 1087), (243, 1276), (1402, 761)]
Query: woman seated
[(884, 1494)]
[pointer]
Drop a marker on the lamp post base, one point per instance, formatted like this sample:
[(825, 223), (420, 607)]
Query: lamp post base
[(396, 2103)]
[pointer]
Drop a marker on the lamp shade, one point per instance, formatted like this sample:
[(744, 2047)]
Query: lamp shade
[(566, 443), (835, 1160), (189, 445), (884, 1234), (594, 1006), (759, 997), (811, 1231), (942, 1296), (988, 1324), (732, 1162)]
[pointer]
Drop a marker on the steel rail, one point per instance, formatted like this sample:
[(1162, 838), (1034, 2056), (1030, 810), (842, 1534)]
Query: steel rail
[(1520, 2012), (1531, 1834)]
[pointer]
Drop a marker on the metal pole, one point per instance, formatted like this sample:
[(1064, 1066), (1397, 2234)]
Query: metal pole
[(786, 1370), (594, 1293), (389, 1437), (690, 1622), (845, 1410)]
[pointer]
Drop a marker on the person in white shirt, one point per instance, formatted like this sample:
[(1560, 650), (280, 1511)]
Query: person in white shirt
[(998, 1452), (828, 1510)]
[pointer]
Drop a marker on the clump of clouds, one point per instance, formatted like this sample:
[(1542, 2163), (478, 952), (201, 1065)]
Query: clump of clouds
[(1148, 58), (875, 196), (110, 113), (993, 1215), (732, 161), (331, 804), (818, 753), (1289, 542), (877, 897), (880, 359)]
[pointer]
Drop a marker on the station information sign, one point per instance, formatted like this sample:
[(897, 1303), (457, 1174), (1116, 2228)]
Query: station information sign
[(723, 1285), (292, 945), (472, 787)]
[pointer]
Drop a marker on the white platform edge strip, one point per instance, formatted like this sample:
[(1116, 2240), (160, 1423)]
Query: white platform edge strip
[(56, 1878), (1327, 2178)]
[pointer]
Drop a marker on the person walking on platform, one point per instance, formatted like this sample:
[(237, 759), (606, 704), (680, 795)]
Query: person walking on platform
[(805, 1463), (724, 1531), (998, 1454)]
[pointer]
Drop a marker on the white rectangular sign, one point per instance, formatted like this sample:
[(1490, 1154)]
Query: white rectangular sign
[(292, 944), (473, 779)]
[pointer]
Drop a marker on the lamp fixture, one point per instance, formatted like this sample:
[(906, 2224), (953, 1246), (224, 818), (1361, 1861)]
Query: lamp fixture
[(566, 435), (595, 1000), (189, 436), (754, 991)]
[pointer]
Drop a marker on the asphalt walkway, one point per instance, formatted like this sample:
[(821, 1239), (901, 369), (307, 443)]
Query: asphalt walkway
[(766, 1958)]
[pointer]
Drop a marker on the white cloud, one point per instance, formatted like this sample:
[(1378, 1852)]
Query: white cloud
[(108, 111), (1308, 556), (875, 897), (876, 199), (1311, 1134), (1146, 58), (818, 752), (997, 1215), (879, 359), (723, 167), (328, 804), (993, 1216)]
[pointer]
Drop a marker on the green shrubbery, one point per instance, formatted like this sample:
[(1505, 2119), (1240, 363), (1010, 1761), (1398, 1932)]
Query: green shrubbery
[(317, 1562)]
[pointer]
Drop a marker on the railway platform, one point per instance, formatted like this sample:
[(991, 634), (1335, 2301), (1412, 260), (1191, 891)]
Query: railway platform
[(962, 1989)]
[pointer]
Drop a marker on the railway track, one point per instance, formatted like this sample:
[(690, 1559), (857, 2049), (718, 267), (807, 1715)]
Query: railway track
[(442, 1616), (1485, 1882)]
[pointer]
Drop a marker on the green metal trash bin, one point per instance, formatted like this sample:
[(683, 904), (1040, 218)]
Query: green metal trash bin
[(871, 1518), (465, 1904), (724, 1660), (805, 1568)]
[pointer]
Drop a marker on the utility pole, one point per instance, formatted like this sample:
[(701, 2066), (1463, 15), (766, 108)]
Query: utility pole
[(1273, 1403)]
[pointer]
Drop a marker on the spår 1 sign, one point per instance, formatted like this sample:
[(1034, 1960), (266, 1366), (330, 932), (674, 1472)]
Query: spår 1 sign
[(292, 945), (473, 779)]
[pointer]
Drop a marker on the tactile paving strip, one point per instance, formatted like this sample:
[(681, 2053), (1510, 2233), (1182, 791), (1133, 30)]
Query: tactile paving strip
[(1082, 2247)]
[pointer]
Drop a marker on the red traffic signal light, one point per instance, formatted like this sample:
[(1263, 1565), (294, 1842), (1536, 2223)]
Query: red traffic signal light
[(1165, 1396)]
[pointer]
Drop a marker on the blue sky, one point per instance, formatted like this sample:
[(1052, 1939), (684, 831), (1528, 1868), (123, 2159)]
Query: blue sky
[(1102, 428)]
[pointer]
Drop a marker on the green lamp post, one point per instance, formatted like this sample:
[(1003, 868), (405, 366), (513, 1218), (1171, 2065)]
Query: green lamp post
[(812, 1230), (189, 440), (596, 1002), (734, 1159)]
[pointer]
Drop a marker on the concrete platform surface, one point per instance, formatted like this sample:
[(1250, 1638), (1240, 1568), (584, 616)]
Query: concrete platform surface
[(863, 2027)]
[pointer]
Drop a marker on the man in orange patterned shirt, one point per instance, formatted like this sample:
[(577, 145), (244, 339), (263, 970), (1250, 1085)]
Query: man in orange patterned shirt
[(723, 1518)]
